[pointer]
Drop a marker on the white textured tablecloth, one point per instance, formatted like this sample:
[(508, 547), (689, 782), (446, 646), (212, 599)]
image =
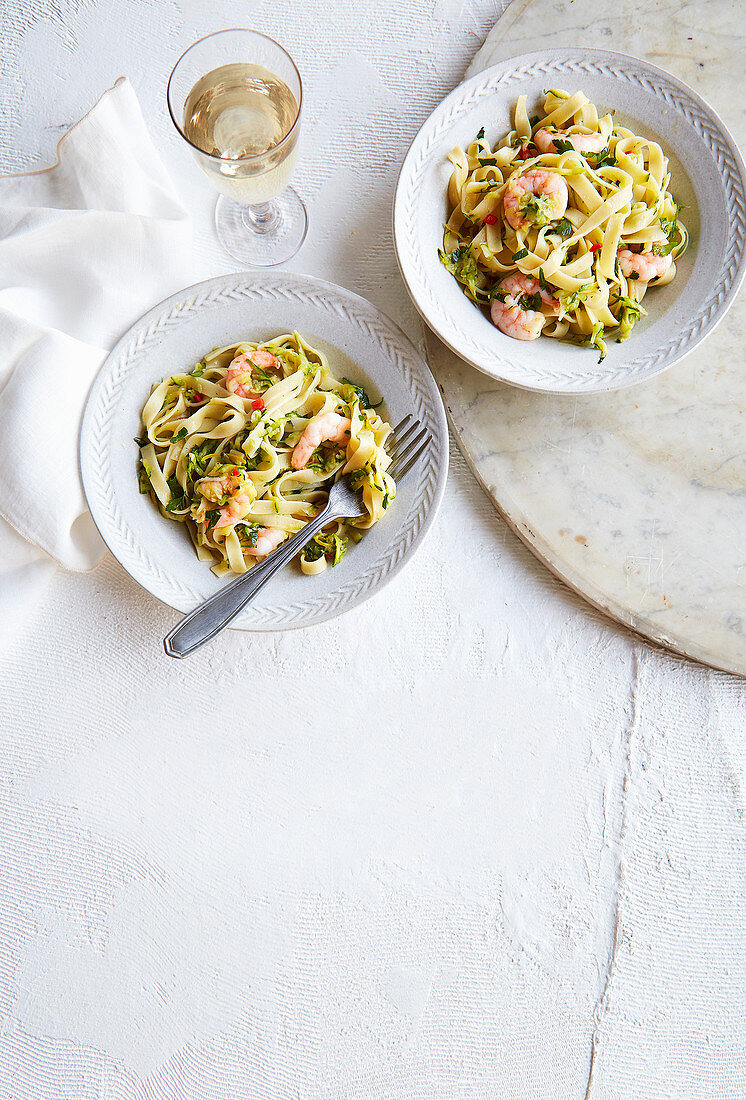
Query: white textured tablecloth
[(469, 840)]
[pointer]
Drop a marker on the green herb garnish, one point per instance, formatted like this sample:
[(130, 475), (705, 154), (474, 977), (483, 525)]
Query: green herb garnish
[(605, 157), (359, 393), (247, 533), (331, 547), (531, 301), (197, 460), (178, 498)]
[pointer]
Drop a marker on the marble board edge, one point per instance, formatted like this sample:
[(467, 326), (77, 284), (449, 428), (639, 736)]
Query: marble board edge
[(642, 628)]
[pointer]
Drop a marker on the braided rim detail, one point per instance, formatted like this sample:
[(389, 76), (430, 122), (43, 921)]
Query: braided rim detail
[(716, 144), (97, 442)]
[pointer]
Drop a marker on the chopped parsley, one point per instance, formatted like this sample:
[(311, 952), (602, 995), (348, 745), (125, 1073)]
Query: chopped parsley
[(359, 393), (603, 158), (178, 499), (247, 533), (530, 301)]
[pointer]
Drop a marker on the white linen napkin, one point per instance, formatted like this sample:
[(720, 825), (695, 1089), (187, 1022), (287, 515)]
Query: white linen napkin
[(85, 248)]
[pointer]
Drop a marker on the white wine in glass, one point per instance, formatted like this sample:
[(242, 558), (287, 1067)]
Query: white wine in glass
[(241, 118)]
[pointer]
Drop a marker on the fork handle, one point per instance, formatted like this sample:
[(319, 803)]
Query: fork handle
[(207, 620)]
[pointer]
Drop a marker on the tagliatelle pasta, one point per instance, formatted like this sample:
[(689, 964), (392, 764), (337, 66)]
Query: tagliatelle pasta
[(561, 227), (243, 448)]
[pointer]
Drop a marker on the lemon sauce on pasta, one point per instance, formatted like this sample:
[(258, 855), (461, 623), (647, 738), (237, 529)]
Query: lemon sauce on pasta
[(561, 228), (243, 449)]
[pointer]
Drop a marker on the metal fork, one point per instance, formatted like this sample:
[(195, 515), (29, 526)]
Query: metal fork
[(207, 620)]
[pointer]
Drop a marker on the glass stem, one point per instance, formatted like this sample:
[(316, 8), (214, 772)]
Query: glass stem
[(261, 217)]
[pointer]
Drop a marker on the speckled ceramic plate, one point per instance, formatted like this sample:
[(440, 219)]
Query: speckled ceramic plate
[(707, 176), (361, 343)]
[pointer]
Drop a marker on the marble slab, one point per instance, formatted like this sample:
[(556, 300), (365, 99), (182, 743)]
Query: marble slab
[(636, 499)]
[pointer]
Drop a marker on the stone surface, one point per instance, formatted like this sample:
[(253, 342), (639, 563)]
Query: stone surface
[(635, 498)]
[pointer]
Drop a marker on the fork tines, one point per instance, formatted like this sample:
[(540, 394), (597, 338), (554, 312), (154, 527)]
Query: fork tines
[(410, 439)]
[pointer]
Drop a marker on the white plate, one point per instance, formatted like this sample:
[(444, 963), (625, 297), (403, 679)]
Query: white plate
[(362, 344), (708, 176)]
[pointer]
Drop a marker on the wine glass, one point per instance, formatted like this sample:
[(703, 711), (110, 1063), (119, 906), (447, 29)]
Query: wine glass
[(235, 96)]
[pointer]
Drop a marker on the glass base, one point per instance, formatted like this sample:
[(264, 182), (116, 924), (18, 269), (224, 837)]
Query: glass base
[(263, 235)]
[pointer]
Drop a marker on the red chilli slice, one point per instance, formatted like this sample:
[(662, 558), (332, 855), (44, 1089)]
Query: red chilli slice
[(489, 219), (258, 404), (595, 248)]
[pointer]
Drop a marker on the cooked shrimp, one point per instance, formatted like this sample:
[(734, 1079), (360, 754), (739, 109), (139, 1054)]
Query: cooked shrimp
[(234, 495), (239, 378), (216, 489), (536, 198), (510, 317), (646, 265), (582, 143), (267, 540), (328, 426), (237, 507)]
